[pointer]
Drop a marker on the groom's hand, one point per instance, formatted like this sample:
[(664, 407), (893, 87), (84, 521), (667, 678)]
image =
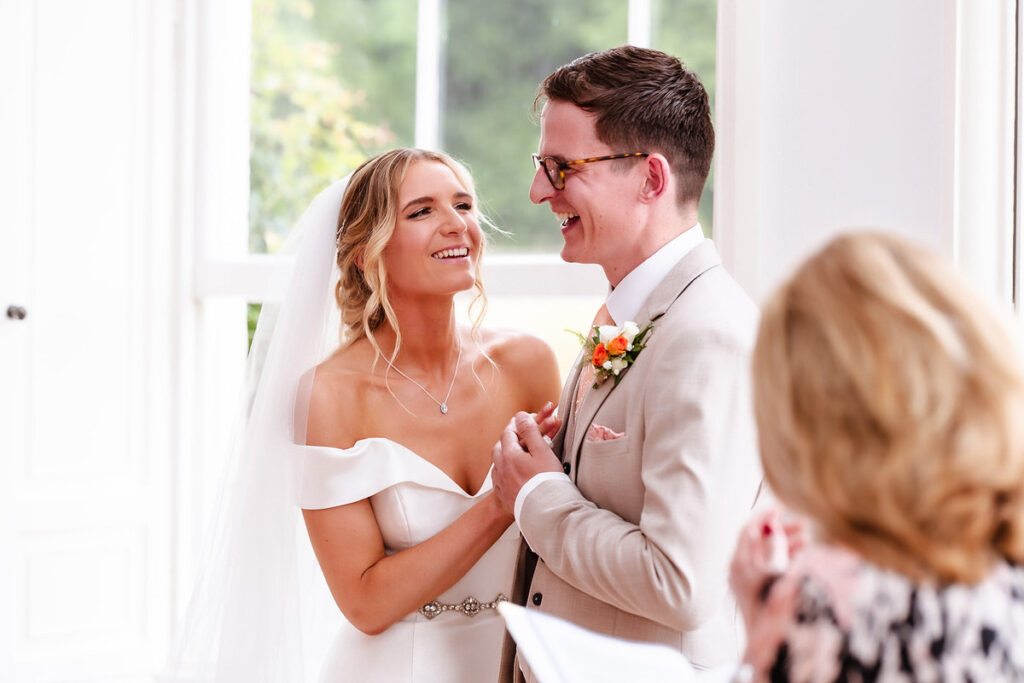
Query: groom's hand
[(521, 454)]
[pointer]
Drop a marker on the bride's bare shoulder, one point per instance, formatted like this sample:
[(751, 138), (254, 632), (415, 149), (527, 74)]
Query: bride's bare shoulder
[(526, 358), (335, 398), (511, 345), (345, 368)]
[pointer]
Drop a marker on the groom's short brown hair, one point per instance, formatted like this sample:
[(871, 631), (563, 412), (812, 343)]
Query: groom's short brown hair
[(644, 101)]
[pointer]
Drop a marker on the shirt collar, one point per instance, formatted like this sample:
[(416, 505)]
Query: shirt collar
[(625, 300)]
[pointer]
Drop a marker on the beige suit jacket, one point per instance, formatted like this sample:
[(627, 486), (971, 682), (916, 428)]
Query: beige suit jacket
[(638, 545)]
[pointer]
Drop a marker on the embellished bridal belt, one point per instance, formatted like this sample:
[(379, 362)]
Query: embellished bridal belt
[(469, 607)]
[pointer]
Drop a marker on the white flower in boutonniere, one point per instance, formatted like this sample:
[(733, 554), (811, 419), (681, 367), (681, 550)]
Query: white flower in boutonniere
[(610, 349)]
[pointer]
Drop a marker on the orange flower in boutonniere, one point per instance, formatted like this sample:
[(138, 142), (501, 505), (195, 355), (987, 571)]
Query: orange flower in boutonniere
[(610, 349), (617, 346)]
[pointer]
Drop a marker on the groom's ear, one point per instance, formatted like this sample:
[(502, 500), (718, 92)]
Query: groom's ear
[(655, 177)]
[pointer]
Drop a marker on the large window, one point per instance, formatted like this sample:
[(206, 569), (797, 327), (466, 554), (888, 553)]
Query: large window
[(335, 81)]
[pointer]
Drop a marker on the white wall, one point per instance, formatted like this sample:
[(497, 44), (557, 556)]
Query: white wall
[(897, 115), (88, 380)]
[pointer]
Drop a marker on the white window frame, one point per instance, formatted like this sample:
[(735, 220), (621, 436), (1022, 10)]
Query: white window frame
[(223, 267)]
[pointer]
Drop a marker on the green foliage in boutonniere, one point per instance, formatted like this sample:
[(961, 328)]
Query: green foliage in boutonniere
[(610, 349)]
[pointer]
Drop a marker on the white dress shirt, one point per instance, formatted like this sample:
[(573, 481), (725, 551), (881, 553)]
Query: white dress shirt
[(624, 302)]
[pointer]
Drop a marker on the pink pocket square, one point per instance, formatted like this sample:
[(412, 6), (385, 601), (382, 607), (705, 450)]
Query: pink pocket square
[(601, 433)]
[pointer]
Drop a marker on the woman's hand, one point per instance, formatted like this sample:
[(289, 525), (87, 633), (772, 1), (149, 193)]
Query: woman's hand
[(547, 420), (765, 547)]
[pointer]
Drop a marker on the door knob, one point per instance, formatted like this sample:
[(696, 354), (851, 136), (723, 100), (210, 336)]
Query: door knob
[(16, 312)]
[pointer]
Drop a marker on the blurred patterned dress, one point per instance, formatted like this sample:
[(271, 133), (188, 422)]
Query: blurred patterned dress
[(834, 617)]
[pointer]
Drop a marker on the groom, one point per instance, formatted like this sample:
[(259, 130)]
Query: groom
[(631, 516)]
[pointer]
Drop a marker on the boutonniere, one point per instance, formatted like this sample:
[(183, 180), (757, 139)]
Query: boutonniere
[(610, 349)]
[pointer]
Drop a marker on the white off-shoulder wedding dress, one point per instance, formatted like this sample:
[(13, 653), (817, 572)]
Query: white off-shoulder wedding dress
[(413, 500)]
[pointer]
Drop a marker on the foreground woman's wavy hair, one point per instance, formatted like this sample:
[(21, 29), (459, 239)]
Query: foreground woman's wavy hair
[(890, 403)]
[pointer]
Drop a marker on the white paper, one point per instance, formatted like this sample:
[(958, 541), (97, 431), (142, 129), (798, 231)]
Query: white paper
[(560, 652)]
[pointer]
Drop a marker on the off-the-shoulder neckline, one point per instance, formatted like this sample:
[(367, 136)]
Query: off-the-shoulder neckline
[(420, 458)]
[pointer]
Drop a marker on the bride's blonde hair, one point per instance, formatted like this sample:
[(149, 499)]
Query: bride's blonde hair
[(366, 222)]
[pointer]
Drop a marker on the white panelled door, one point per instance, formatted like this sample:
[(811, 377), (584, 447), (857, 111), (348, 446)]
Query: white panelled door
[(86, 397)]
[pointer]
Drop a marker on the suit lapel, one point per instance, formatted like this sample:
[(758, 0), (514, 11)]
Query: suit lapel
[(701, 259), (565, 407), (592, 400)]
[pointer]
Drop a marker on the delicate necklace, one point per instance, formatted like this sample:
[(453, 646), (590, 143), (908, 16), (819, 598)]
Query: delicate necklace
[(443, 405)]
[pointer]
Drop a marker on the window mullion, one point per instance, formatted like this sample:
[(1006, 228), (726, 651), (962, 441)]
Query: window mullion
[(638, 29), (428, 74)]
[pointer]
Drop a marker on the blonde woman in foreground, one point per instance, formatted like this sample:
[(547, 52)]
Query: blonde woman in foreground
[(890, 408)]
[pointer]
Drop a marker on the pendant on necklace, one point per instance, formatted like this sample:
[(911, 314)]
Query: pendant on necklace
[(444, 408)]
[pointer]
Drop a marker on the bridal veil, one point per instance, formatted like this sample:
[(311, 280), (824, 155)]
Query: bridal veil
[(261, 610)]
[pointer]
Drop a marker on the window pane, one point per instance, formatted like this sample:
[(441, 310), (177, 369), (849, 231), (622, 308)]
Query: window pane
[(333, 82), (490, 82), (686, 29)]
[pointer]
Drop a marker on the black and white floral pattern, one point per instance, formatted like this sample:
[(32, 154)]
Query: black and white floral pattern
[(838, 618)]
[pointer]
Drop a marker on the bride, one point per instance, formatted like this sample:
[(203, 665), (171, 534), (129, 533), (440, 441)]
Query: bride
[(400, 512), (382, 436)]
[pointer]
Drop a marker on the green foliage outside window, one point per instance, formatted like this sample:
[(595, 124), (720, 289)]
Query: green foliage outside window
[(496, 54), (252, 314), (686, 29), (308, 126)]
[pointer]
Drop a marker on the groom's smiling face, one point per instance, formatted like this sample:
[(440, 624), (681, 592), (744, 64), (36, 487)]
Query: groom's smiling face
[(595, 205)]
